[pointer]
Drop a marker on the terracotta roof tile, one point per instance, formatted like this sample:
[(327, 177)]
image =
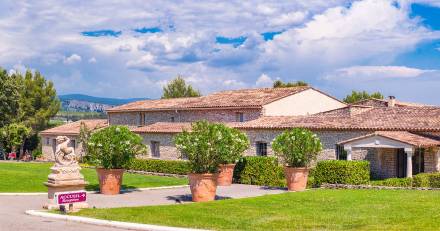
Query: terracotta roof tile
[(235, 98), (74, 127), (169, 127), (402, 136), (384, 103), (367, 118)]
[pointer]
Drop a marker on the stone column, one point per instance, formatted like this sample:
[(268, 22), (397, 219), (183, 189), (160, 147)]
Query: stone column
[(437, 160), (349, 152), (409, 153)]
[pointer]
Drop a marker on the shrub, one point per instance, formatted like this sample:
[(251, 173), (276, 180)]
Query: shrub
[(297, 147), (259, 170), (113, 147), (431, 180), (162, 166), (393, 182), (209, 144), (342, 172)]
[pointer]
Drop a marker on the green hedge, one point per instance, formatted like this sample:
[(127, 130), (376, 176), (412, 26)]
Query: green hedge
[(258, 170), (393, 182), (162, 166), (342, 172), (431, 180)]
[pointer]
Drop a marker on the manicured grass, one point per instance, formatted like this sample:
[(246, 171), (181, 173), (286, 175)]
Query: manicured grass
[(310, 210), (29, 177)]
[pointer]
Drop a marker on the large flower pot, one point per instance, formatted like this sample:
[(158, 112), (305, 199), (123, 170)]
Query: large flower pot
[(110, 180), (203, 186), (296, 178), (225, 173)]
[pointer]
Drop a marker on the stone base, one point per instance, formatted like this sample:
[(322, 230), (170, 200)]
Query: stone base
[(56, 188)]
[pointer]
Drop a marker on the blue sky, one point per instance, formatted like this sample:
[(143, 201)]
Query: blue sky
[(132, 48)]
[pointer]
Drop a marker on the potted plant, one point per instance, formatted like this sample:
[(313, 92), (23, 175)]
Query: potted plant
[(297, 148), (110, 149), (234, 143), (202, 145)]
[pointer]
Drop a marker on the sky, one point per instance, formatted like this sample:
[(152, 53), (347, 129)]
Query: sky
[(127, 49)]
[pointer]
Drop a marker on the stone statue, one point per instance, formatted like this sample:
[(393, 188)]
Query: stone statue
[(65, 174), (64, 155)]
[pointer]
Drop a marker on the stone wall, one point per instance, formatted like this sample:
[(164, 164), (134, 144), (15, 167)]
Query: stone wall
[(216, 115), (431, 160), (48, 144), (167, 149)]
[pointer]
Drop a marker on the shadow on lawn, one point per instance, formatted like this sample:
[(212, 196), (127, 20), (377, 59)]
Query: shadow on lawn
[(95, 187), (188, 198)]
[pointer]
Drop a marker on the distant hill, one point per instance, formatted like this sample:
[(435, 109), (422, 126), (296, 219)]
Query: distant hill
[(100, 100), (86, 103)]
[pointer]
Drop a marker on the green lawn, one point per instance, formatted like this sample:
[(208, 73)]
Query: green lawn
[(29, 177), (310, 210)]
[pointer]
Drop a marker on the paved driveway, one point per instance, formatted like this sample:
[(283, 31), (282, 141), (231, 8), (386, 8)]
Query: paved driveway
[(12, 217)]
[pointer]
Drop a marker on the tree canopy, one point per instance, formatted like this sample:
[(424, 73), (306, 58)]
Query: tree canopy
[(279, 83), (357, 96), (177, 88), (9, 97)]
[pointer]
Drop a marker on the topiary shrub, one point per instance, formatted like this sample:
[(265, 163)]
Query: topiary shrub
[(393, 182), (342, 172), (431, 180), (162, 166), (259, 170), (297, 147), (114, 147), (209, 144)]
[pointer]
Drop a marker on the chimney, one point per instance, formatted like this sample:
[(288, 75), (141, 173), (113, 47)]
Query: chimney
[(391, 101)]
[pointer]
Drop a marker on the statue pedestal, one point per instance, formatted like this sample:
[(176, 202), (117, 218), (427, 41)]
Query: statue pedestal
[(64, 179)]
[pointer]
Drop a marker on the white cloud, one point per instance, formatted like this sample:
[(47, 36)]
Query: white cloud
[(264, 81), (288, 19), (144, 63), (375, 73), (92, 60), (74, 58)]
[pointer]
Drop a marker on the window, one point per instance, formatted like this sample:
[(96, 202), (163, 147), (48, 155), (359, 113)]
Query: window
[(239, 117), (155, 149), (341, 154), (172, 119), (48, 141), (72, 144), (261, 149), (141, 119)]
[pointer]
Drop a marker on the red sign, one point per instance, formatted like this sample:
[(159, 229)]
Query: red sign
[(70, 197)]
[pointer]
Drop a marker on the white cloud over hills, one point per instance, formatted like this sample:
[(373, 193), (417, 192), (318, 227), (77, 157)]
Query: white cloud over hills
[(130, 48)]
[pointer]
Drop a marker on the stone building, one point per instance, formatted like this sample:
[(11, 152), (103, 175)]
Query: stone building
[(71, 130), (399, 139)]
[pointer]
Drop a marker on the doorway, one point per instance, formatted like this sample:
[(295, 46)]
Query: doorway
[(401, 163)]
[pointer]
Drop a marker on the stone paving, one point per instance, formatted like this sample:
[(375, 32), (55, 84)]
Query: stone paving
[(12, 208)]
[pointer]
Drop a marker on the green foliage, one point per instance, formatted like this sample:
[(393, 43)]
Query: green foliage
[(163, 166), (259, 170), (279, 84), (297, 147), (38, 101), (209, 144), (178, 88), (342, 172), (113, 147), (14, 135), (431, 180), (9, 95), (84, 136), (393, 182), (357, 96)]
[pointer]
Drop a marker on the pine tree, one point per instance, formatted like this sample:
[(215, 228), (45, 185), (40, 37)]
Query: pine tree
[(177, 88)]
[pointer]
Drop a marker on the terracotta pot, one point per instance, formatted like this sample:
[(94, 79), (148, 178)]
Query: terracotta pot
[(296, 178), (203, 186), (225, 173), (110, 180)]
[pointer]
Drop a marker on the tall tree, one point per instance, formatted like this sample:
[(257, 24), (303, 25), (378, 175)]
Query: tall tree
[(38, 100), (177, 88), (279, 84), (9, 96), (357, 96)]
